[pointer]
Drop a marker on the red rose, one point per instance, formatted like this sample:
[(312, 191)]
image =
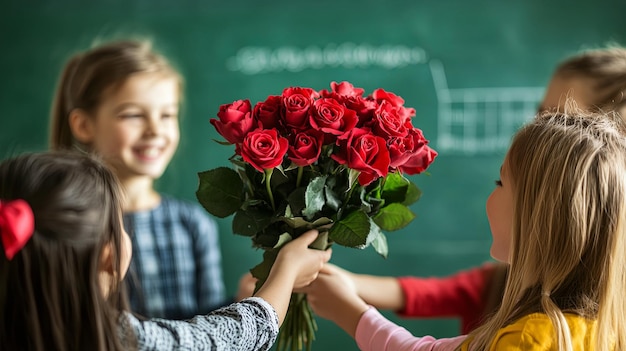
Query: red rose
[(264, 149), (419, 162), (268, 112), (344, 89), (235, 121), (401, 149), (297, 102), (332, 118), (364, 108), (389, 122), (364, 152), (305, 148), (381, 95), (352, 101)]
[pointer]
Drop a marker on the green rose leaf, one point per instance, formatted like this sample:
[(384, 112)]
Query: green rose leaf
[(352, 231), (321, 243), (395, 188), (266, 240), (282, 240), (299, 222), (314, 197), (219, 191), (379, 243), (413, 194), (333, 201), (296, 200), (394, 216), (251, 221)]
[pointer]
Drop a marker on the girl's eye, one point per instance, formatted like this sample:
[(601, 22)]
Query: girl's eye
[(498, 182), (131, 115), (168, 115)]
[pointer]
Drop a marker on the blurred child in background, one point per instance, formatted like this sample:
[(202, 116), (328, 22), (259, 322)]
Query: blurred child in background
[(121, 101)]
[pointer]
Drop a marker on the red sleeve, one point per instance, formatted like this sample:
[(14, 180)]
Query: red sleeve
[(459, 295)]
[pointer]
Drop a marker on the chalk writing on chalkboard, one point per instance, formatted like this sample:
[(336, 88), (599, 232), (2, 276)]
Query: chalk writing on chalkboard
[(260, 59), (480, 120)]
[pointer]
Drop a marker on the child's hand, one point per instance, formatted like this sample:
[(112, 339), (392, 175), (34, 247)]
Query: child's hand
[(331, 297), (305, 262), (295, 266), (381, 292), (344, 275), (246, 286)]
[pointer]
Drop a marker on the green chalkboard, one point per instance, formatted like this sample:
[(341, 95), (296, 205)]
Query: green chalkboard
[(473, 70)]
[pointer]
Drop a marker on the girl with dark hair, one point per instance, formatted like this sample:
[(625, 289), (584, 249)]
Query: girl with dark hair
[(64, 253)]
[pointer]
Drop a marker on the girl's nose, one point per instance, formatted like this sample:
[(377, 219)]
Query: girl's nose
[(153, 124)]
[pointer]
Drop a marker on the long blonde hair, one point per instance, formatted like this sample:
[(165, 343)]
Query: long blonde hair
[(568, 247), (89, 75)]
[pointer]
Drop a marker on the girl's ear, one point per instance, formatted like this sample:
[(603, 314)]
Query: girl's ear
[(106, 261), (106, 275), (81, 126)]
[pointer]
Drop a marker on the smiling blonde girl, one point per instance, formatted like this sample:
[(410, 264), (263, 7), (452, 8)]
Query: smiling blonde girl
[(121, 100)]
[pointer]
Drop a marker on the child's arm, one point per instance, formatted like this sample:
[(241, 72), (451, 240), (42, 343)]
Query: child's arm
[(333, 297), (379, 291), (296, 266), (463, 294)]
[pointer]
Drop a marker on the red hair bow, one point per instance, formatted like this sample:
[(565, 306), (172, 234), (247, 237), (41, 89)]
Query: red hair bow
[(17, 224)]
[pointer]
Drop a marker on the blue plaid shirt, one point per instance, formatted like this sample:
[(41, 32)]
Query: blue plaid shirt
[(176, 270)]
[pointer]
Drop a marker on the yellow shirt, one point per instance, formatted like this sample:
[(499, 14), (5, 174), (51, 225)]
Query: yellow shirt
[(534, 332)]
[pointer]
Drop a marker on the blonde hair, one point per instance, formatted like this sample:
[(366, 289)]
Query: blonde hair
[(568, 247), (606, 70), (89, 75)]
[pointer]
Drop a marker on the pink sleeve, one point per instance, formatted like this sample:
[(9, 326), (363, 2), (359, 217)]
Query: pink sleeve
[(375, 332)]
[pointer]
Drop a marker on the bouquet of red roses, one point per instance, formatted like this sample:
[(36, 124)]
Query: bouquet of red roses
[(333, 160)]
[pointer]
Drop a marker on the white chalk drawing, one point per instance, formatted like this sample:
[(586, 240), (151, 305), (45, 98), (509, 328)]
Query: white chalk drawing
[(470, 120), (480, 120), (253, 60)]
